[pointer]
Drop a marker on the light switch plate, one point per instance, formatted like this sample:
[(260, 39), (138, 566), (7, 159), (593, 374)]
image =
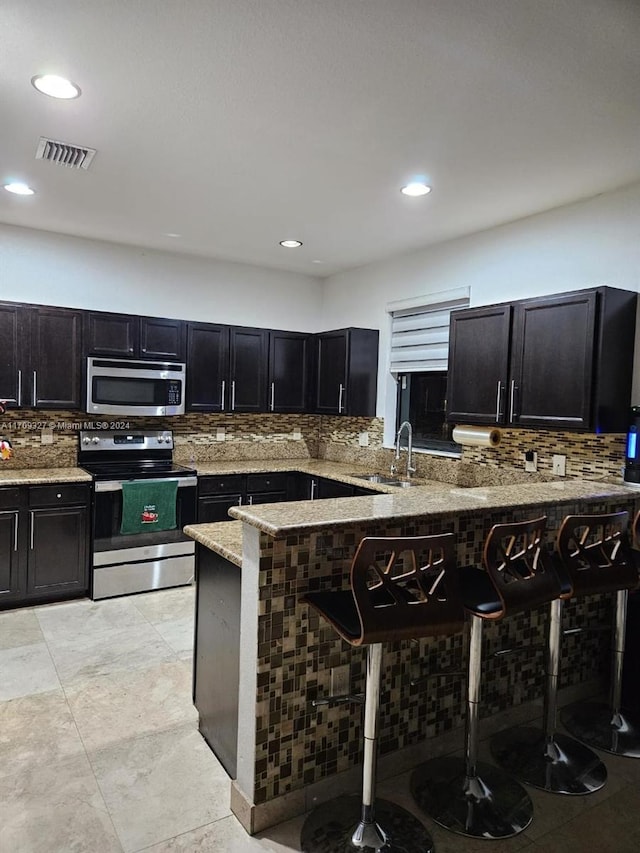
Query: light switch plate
[(363, 439)]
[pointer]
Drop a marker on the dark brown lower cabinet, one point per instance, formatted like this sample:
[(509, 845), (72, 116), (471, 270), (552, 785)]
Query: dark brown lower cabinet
[(44, 543)]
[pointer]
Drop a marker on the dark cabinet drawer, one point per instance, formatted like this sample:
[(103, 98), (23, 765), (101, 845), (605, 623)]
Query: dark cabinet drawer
[(62, 493), (9, 498), (221, 485), (267, 482)]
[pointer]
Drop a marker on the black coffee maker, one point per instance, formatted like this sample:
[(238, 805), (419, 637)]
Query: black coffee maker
[(632, 462)]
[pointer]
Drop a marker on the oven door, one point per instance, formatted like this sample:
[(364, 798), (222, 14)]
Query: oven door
[(142, 561)]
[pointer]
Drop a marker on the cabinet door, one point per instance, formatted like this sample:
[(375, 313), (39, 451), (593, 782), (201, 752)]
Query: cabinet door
[(56, 368), (265, 497), (248, 370), (216, 507), (162, 339), (288, 371), (331, 372), (12, 320), (477, 372), (207, 367), (57, 561), (114, 335), (552, 361), (10, 579), (333, 489)]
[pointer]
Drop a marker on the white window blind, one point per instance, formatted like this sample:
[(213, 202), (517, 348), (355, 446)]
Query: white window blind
[(420, 331)]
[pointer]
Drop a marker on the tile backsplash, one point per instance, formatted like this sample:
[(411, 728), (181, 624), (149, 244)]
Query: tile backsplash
[(207, 437)]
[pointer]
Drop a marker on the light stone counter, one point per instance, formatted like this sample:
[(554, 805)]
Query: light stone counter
[(431, 499), (223, 537), (38, 476)]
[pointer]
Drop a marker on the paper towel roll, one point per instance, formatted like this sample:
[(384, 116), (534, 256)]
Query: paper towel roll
[(479, 436)]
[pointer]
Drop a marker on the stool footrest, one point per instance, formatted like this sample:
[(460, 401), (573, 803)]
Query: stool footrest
[(346, 699), (441, 673)]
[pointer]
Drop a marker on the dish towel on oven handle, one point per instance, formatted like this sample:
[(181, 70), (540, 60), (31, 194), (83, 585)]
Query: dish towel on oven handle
[(148, 505)]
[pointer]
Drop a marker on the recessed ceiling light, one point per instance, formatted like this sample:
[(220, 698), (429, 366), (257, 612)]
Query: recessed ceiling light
[(316, 261), (290, 244), (172, 234), (18, 188), (415, 189), (55, 87)]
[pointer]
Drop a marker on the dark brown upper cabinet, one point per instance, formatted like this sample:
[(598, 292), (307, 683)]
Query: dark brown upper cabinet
[(288, 371), (41, 361), (226, 368), (562, 362), (130, 336), (346, 372)]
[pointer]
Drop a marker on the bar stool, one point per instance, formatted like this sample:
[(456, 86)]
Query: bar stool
[(524, 576), (401, 589), (464, 795), (595, 552)]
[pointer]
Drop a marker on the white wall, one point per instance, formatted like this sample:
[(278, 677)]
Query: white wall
[(54, 269), (590, 243)]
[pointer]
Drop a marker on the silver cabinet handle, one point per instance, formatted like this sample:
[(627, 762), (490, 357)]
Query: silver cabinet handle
[(15, 531), (222, 389), (340, 398), (250, 500), (511, 399), (35, 386), (19, 388), (31, 525), (313, 490), (273, 396), (498, 401), (233, 394), (239, 500)]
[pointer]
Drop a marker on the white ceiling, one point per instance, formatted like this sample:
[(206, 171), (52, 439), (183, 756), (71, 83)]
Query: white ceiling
[(239, 123)]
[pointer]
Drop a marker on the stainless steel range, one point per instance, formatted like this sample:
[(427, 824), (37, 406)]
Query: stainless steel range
[(156, 556)]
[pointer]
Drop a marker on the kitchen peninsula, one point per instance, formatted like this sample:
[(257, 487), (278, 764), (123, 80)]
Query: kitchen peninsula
[(290, 754)]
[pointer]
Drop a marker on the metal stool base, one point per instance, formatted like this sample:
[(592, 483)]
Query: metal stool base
[(489, 805), (595, 723), (330, 828), (560, 765)]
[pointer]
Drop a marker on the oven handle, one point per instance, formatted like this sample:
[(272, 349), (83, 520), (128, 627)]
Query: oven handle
[(116, 485)]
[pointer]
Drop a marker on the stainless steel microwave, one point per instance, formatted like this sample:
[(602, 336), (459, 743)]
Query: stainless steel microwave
[(128, 387)]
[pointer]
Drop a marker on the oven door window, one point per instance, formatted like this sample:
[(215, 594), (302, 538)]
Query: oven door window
[(128, 391), (108, 517)]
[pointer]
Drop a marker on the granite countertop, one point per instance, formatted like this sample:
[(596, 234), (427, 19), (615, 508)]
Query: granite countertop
[(434, 499), (223, 537), (36, 476)]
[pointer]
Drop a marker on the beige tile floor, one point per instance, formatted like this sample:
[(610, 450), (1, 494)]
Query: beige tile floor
[(100, 752)]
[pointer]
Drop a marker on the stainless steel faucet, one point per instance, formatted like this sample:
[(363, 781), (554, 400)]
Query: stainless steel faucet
[(410, 468)]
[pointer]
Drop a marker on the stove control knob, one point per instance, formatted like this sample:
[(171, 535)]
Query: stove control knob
[(86, 439), (160, 439), (95, 440)]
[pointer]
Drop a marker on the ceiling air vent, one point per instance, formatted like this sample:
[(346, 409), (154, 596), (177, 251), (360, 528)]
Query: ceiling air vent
[(74, 156)]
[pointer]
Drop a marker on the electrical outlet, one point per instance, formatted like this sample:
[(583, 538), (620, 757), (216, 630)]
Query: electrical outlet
[(340, 678), (220, 434), (46, 436), (530, 461), (297, 435), (560, 465), (363, 439)]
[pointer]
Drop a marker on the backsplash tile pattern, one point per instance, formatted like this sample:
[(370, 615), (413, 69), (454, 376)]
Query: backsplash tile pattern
[(297, 650)]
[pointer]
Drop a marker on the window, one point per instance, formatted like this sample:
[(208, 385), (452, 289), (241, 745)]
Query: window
[(419, 354)]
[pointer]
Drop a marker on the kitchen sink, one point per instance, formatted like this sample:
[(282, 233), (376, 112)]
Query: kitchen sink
[(384, 480)]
